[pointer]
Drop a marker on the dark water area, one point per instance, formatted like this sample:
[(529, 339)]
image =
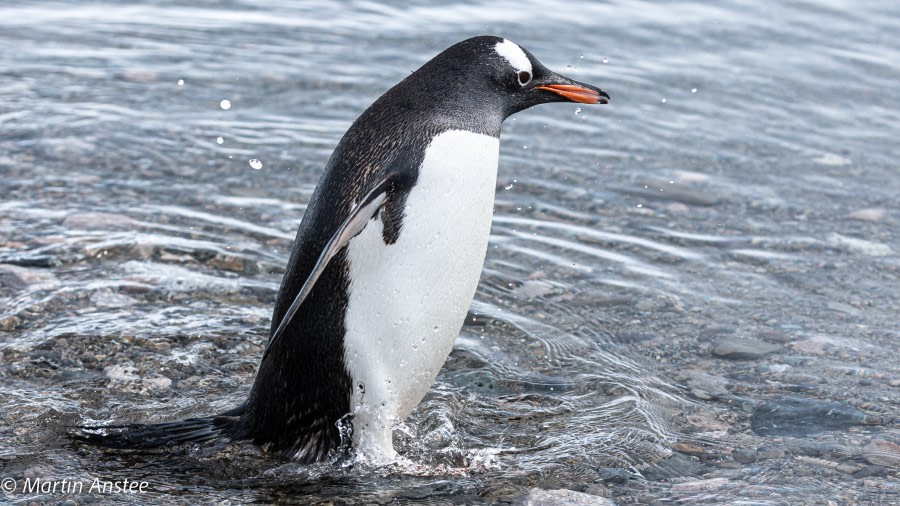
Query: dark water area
[(691, 294)]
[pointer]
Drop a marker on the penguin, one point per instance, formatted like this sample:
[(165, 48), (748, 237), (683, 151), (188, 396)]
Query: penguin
[(385, 263)]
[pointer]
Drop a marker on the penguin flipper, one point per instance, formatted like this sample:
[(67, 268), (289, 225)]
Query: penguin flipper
[(354, 224)]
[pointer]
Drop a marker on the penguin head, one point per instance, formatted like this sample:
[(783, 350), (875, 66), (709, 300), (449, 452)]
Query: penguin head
[(493, 73), (522, 81)]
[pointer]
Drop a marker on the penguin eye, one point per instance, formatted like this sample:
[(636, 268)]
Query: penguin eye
[(524, 77)]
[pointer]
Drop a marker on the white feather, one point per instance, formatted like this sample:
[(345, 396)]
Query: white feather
[(514, 55), (408, 300)]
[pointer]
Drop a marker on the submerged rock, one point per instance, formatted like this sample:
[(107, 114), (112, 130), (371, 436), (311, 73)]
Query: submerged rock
[(882, 453), (861, 246), (873, 214), (699, 485), (562, 497), (796, 416), (744, 349)]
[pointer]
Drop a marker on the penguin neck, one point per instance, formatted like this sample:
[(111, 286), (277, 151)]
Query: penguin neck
[(451, 108)]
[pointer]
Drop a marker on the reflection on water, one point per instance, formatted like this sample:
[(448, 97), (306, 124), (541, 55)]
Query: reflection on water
[(690, 294)]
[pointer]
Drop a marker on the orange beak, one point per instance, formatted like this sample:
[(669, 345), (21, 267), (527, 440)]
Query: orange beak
[(577, 93)]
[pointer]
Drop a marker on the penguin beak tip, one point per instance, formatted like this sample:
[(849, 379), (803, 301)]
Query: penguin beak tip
[(576, 93)]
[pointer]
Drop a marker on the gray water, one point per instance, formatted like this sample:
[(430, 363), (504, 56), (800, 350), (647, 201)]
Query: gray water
[(691, 294)]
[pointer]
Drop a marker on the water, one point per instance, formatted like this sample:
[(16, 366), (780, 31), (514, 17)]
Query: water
[(691, 294)]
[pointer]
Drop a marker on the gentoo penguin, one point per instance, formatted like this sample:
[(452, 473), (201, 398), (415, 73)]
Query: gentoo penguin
[(385, 264)]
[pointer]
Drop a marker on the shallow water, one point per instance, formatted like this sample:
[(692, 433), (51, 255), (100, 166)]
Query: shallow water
[(691, 294)]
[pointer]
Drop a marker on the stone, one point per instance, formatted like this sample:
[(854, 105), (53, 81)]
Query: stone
[(699, 485), (706, 386), (9, 323), (614, 475), (775, 336), (795, 416), (745, 456), (882, 453), (18, 278), (861, 246), (832, 160), (743, 349), (873, 214), (561, 497)]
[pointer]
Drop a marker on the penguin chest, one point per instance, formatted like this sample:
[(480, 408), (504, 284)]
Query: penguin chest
[(407, 300)]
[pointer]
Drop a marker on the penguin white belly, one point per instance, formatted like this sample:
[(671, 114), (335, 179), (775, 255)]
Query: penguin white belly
[(408, 300)]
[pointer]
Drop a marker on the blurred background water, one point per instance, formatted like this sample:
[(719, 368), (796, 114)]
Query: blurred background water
[(691, 294)]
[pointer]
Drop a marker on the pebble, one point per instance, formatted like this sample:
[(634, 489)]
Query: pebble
[(227, 263), (775, 336), (744, 349), (687, 176), (119, 372), (814, 345), (795, 416), (848, 468), (561, 497), (708, 424), (699, 485), (862, 246), (108, 298), (843, 308), (99, 221), (45, 261), (9, 323), (677, 193), (744, 456), (872, 470), (873, 214), (534, 288), (749, 455), (613, 475), (676, 208), (18, 277), (706, 386), (832, 160), (882, 453), (690, 449)]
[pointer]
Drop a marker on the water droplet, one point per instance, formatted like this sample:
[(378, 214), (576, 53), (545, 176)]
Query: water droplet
[(568, 66), (256, 164), (524, 147), (664, 101), (437, 328), (225, 104), (605, 60), (509, 186), (578, 110), (640, 205), (220, 140), (581, 57), (181, 82)]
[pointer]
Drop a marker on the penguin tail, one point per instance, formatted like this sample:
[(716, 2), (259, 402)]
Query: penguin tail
[(225, 427)]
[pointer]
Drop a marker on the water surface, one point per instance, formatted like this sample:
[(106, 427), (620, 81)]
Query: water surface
[(691, 294)]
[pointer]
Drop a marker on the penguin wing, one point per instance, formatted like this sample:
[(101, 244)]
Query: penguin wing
[(354, 224)]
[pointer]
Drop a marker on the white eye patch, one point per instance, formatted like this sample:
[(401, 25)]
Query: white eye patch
[(512, 53)]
